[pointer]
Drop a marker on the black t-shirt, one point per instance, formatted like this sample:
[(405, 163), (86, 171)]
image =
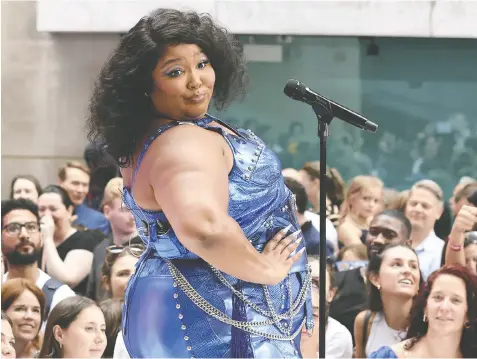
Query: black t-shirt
[(87, 240), (350, 299)]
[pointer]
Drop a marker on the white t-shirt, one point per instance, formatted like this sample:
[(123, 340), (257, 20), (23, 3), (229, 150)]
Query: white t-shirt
[(339, 343), (120, 351), (61, 293)]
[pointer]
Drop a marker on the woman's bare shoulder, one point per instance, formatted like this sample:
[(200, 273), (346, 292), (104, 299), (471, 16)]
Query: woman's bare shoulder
[(400, 349)]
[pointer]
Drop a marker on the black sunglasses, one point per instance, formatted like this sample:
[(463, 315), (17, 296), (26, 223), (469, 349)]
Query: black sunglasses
[(388, 234)]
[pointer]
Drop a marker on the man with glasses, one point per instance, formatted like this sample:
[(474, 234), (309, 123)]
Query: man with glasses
[(21, 247), (387, 227)]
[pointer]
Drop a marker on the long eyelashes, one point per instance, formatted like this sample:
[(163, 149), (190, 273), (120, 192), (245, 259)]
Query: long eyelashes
[(177, 72)]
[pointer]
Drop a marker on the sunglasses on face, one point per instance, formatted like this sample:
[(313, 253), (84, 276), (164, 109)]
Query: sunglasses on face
[(387, 234), (15, 228)]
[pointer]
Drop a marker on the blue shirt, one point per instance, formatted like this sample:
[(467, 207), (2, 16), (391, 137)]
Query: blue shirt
[(384, 352), (92, 219)]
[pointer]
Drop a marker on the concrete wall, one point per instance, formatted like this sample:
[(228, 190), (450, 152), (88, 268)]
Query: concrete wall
[(410, 18), (46, 83)]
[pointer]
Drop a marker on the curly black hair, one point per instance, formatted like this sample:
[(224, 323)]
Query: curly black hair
[(120, 112)]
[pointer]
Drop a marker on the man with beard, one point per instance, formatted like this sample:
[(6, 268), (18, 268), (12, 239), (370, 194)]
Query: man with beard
[(387, 227), (21, 248)]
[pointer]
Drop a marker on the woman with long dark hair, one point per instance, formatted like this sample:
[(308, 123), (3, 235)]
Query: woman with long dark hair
[(443, 320), (394, 280)]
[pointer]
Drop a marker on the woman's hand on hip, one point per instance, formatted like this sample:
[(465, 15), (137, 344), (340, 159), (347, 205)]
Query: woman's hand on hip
[(278, 252)]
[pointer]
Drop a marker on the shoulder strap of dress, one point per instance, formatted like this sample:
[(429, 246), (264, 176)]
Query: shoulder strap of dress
[(157, 133), (369, 317)]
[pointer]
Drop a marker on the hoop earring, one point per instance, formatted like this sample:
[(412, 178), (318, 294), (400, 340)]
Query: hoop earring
[(468, 325), (424, 318)]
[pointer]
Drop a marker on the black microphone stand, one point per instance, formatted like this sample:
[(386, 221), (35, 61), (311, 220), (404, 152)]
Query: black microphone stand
[(324, 116)]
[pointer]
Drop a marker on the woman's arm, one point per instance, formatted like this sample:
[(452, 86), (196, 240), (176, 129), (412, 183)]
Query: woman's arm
[(465, 220), (362, 328), (348, 234), (189, 176), (77, 263)]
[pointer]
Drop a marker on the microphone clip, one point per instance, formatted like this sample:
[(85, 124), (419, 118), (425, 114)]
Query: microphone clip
[(324, 115)]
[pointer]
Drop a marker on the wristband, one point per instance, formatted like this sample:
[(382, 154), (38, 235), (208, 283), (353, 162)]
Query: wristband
[(455, 248)]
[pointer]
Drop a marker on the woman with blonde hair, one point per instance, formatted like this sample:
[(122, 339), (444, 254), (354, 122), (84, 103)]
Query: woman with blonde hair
[(24, 303), (363, 199)]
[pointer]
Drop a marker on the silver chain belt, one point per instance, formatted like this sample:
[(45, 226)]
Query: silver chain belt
[(205, 306)]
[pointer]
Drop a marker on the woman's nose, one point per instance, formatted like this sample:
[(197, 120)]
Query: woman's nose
[(100, 337), (445, 304), (29, 314), (194, 80)]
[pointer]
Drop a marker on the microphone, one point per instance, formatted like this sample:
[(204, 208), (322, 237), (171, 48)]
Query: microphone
[(297, 90)]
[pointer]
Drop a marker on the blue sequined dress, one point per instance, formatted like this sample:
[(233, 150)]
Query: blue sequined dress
[(178, 306)]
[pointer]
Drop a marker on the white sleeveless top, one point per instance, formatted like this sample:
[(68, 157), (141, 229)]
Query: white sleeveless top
[(381, 334)]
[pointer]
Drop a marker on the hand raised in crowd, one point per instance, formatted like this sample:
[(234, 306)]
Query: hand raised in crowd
[(47, 226), (278, 251), (465, 221), (73, 217)]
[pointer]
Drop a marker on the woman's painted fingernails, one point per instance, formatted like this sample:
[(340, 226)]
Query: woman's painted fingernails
[(286, 229), (296, 234)]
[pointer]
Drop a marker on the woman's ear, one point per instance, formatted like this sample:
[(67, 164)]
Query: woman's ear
[(106, 284), (374, 279), (58, 334)]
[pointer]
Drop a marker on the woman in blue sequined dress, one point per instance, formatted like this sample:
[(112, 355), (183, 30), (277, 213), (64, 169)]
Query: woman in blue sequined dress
[(224, 274)]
